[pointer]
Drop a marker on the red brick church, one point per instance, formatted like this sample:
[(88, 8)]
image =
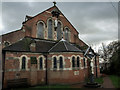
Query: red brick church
[(46, 50)]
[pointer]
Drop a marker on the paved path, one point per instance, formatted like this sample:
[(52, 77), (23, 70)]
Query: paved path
[(107, 83)]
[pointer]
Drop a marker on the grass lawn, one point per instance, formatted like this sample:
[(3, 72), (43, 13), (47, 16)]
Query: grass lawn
[(115, 80), (43, 87), (53, 86), (99, 80)]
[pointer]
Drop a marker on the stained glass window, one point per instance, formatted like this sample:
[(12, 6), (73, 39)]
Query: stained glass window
[(40, 31), (66, 33), (41, 62), (78, 62), (55, 63), (59, 32), (73, 61), (61, 62), (23, 62), (50, 29)]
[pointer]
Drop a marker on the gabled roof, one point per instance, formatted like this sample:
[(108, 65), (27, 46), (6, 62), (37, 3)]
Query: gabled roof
[(64, 46), (50, 9), (42, 46)]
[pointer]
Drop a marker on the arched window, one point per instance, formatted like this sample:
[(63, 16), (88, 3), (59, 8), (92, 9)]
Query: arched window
[(84, 62), (6, 43), (23, 63), (40, 31), (61, 62), (73, 62), (41, 62), (55, 63), (59, 32), (50, 29), (66, 33), (78, 62)]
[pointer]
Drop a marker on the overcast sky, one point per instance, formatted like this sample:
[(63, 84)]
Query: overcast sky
[(96, 22)]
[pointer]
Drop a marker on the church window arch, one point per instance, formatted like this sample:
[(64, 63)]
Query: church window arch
[(23, 62), (61, 62), (6, 43), (84, 62), (59, 31), (66, 34), (73, 61), (50, 32), (78, 61), (40, 29), (41, 63), (54, 62)]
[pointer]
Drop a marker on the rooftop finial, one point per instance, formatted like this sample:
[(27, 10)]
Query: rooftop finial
[(54, 3)]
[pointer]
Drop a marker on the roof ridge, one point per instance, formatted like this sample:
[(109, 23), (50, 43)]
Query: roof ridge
[(11, 32), (53, 47), (46, 41), (65, 46), (40, 39), (40, 13)]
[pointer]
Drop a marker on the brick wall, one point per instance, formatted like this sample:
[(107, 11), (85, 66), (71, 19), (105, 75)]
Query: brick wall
[(67, 76), (12, 37), (12, 69), (36, 76), (30, 26)]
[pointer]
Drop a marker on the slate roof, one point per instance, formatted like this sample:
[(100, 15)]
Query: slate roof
[(22, 45), (64, 46), (42, 46)]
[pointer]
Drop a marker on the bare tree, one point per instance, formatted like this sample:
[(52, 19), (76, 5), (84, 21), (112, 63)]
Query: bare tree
[(106, 52)]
